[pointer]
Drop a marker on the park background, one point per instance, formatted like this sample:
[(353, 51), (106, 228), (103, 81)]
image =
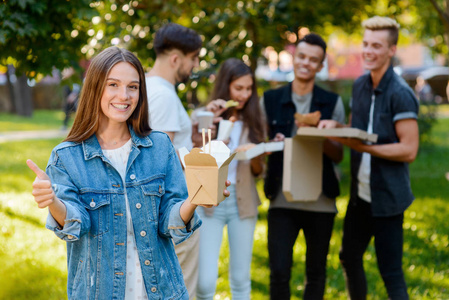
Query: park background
[(39, 39)]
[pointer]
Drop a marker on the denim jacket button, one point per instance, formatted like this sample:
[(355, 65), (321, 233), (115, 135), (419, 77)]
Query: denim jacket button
[(70, 237), (153, 289), (138, 205), (147, 262), (143, 233), (92, 204), (132, 176)]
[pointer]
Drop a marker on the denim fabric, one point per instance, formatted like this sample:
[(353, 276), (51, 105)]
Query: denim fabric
[(359, 227), (391, 192), (95, 226), (240, 235), (283, 229)]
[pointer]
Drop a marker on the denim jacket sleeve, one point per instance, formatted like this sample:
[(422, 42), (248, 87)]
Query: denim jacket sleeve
[(171, 223), (77, 221)]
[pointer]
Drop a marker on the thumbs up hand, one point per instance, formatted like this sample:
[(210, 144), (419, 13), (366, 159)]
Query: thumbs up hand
[(42, 190)]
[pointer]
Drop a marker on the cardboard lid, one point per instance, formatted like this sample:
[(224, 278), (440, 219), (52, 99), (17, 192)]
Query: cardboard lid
[(197, 158), (337, 132), (228, 161), (218, 150)]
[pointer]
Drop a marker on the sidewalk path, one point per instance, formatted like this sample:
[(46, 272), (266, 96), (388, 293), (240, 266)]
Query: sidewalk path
[(13, 136)]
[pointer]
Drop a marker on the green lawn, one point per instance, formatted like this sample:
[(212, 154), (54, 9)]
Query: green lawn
[(32, 259), (41, 120)]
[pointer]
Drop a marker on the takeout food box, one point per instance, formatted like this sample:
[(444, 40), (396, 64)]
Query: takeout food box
[(259, 149), (303, 162), (206, 173)]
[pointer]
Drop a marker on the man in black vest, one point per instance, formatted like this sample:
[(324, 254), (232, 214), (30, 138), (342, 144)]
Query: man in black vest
[(315, 217), (384, 104)]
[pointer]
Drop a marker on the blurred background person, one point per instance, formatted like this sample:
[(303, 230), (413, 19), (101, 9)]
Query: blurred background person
[(177, 49), (423, 91), (315, 217), (71, 91), (238, 213)]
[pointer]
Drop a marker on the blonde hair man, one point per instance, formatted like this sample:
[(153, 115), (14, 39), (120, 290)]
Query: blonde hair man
[(380, 187)]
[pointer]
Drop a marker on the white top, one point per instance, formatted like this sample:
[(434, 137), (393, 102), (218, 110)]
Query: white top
[(234, 141), (167, 113), (364, 189), (135, 288)]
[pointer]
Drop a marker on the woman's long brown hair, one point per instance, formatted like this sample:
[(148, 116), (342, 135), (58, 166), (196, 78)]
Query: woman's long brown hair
[(89, 109), (251, 114)]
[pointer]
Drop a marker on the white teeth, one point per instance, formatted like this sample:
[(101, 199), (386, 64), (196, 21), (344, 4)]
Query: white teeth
[(120, 106)]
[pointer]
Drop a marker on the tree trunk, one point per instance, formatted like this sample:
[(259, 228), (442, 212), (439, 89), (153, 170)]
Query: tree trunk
[(23, 99), (443, 14), (446, 26), (9, 73), (252, 33)]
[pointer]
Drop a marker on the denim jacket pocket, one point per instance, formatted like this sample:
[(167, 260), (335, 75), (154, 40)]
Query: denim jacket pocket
[(153, 192), (98, 207)]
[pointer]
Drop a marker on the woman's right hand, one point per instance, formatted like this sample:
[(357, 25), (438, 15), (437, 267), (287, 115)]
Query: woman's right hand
[(217, 106), (42, 190)]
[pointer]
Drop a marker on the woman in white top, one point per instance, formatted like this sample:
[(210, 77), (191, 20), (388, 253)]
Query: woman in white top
[(115, 191), (235, 81)]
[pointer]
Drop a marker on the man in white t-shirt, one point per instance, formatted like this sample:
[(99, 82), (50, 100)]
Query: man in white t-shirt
[(177, 49)]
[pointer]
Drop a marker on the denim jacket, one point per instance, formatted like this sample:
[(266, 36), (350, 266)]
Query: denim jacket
[(391, 191), (95, 226)]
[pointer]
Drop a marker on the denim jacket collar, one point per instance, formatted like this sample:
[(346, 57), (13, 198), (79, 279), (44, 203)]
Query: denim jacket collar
[(91, 146)]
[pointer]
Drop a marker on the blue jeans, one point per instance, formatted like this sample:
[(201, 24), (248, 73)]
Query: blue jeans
[(359, 227), (240, 235), (283, 229)]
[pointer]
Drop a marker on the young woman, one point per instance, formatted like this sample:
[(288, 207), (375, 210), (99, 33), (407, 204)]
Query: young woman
[(235, 81), (115, 191)]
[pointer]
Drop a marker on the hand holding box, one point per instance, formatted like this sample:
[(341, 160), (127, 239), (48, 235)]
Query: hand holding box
[(206, 173)]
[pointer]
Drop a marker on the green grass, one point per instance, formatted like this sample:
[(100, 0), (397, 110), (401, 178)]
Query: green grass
[(426, 255), (32, 259), (41, 120)]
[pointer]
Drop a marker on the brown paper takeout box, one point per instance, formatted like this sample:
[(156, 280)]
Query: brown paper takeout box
[(259, 149), (205, 177), (303, 163)]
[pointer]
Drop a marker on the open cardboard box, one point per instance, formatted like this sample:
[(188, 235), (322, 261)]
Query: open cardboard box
[(259, 149), (206, 173), (303, 163)]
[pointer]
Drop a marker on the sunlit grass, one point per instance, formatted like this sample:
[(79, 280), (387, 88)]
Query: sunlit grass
[(32, 259), (41, 120)]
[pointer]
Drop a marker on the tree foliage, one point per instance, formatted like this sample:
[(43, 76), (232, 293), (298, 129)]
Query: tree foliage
[(39, 35), (230, 28)]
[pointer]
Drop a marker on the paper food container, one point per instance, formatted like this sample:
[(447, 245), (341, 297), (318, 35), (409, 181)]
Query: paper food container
[(337, 132), (303, 160), (224, 130), (206, 173), (259, 149)]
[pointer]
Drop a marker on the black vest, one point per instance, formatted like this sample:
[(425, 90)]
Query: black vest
[(280, 111)]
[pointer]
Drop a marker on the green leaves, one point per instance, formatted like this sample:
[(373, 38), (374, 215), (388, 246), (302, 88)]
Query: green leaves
[(36, 35)]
